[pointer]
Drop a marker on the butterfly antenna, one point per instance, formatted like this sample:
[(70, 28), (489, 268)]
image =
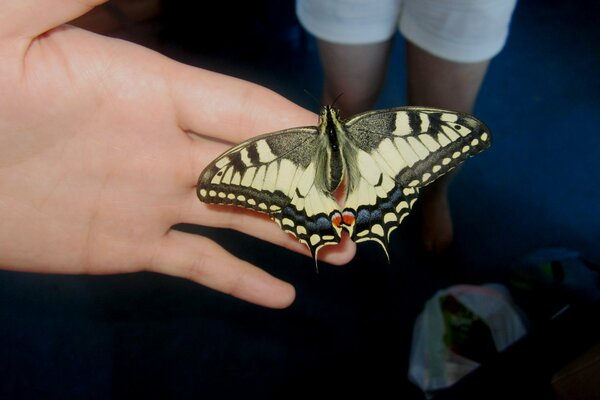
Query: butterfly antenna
[(336, 99), (312, 96)]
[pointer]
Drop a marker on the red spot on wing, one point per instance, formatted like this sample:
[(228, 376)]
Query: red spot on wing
[(345, 219), (348, 217), (336, 219)]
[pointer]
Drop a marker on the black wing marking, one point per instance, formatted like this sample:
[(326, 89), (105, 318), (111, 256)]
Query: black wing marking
[(393, 153), (275, 174)]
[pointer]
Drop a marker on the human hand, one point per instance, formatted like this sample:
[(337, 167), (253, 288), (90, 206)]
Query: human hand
[(101, 144)]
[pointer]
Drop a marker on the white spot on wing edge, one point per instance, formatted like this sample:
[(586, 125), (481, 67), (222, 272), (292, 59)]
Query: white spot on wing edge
[(287, 222), (377, 229), (402, 205), (265, 154), (363, 233), (222, 162), (314, 239), (449, 117), (402, 125), (424, 122), (390, 217), (245, 157)]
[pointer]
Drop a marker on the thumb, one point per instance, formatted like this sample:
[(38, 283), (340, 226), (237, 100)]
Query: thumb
[(31, 18)]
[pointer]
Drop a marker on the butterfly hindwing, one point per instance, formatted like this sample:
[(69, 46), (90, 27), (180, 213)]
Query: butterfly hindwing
[(276, 174), (397, 152)]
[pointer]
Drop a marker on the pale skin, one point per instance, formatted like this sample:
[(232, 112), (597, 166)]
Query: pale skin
[(358, 72), (101, 144)]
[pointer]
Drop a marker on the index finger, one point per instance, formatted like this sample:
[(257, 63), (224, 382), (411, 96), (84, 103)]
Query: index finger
[(228, 108)]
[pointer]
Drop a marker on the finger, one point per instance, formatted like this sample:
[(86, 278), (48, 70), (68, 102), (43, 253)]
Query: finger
[(203, 261), (228, 108), (340, 254), (202, 152), (262, 227), (31, 18)]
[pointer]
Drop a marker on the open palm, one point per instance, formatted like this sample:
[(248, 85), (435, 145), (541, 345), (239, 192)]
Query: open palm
[(101, 144)]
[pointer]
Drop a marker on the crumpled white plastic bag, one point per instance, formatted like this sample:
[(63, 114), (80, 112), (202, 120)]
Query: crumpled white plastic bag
[(433, 365)]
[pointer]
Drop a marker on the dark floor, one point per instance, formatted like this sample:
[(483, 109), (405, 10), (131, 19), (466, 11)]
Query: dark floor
[(349, 330)]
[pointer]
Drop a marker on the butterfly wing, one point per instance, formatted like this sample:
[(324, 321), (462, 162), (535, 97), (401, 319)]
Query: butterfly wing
[(393, 153), (276, 174)]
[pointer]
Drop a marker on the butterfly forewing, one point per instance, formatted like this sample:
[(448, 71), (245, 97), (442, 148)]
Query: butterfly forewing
[(275, 174), (397, 152)]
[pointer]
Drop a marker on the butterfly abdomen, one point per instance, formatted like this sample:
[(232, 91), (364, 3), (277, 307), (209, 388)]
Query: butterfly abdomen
[(333, 161)]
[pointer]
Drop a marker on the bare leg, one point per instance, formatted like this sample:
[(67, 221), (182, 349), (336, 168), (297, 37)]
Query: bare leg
[(357, 72), (435, 82)]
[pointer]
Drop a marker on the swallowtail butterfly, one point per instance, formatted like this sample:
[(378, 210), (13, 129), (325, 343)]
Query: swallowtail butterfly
[(384, 157)]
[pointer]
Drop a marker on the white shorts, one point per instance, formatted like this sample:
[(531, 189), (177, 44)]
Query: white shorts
[(455, 30)]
